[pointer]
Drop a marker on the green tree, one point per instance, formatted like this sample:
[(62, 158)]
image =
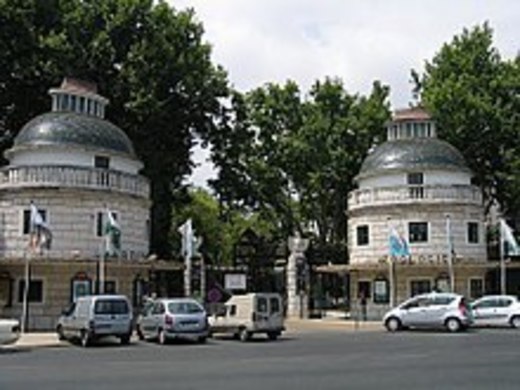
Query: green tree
[(147, 58), (219, 235), (292, 161), (473, 95)]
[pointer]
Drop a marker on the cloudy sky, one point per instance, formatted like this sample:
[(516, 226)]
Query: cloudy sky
[(259, 41)]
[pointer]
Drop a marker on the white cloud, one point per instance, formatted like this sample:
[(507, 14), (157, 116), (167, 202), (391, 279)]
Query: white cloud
[(357, 40)]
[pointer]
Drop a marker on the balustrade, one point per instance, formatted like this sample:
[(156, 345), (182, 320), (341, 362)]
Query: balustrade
[(412, 194), (71, 177)]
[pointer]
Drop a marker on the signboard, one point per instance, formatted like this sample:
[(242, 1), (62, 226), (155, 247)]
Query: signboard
[(235, 281)]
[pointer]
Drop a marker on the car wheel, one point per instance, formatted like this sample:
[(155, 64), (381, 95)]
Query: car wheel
[(85, 339), (515, 322), (59, 330), (161, 337), (244, 335), (393, 324), (272, 335), (453, 324), (202, 340)]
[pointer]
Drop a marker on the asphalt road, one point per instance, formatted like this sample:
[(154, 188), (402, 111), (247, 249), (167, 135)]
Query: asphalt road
[(483, 359)]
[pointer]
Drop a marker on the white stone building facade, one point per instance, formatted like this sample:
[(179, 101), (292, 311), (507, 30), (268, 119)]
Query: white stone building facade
[(73, 165), (419, 187)]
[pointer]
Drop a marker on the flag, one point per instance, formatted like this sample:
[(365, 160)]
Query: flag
[(112, 235), (397, 244), (507, 239), (186, 231), (40, 234)]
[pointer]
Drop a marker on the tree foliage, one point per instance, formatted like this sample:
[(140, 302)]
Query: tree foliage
[(147, 58), (473, 95), (291, 159)]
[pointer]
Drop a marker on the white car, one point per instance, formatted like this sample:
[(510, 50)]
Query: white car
[(431, 310), (496, 310), (9, 331), (249, 314)]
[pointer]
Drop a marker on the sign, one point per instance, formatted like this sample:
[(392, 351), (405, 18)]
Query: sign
[(235, 281), (214, 295)]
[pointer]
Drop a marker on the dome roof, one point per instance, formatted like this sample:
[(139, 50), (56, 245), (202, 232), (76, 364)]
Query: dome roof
[(412, 154), (72, 129)]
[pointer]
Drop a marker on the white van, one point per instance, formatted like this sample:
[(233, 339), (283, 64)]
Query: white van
[(245, 315), (96, 316)]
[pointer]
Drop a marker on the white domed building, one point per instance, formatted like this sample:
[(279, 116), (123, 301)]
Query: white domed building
[(73, 165), (416, 189)]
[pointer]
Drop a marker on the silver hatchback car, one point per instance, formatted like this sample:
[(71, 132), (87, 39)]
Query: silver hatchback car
[(497, 310), (431, 310), (174, 318)]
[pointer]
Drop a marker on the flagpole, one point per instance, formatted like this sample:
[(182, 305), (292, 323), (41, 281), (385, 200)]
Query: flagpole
[(101, 281), (25, 308), (391, 271), (450, 253), (502, 261)]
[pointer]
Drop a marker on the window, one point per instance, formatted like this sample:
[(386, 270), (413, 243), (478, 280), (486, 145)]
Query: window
[(418, 232), (420, 286), (261, 305), (232, 310), (158, 308), (73, 103), (27, 219), (275, 305), (362, 235), (102, 162), (476, 288), (415, 178), (184, 308), (111, 306), (35, 293), (82, 104), (65, 103), (381, 291), (80, 286), (442, 300), (486, 303), (364, 290), (473, 236), (504, 302), (100, 222)]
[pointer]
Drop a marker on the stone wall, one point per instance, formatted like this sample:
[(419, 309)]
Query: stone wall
[(380, 219), (72, 215)]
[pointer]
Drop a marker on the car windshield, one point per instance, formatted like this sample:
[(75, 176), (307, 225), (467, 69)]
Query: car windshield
[(111, 306), (184, 308)]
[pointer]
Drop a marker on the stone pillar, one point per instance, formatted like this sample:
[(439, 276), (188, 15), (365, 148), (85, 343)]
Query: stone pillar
[(297, 299)]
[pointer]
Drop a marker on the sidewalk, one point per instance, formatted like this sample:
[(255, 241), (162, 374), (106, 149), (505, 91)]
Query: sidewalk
[(296, 325), (39, 340), (335, 324)]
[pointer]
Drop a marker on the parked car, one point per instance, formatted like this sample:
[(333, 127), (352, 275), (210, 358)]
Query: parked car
[(249, 314), (431, 310), (9, 331), (96, 316), (174, 318), (496, 310)]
